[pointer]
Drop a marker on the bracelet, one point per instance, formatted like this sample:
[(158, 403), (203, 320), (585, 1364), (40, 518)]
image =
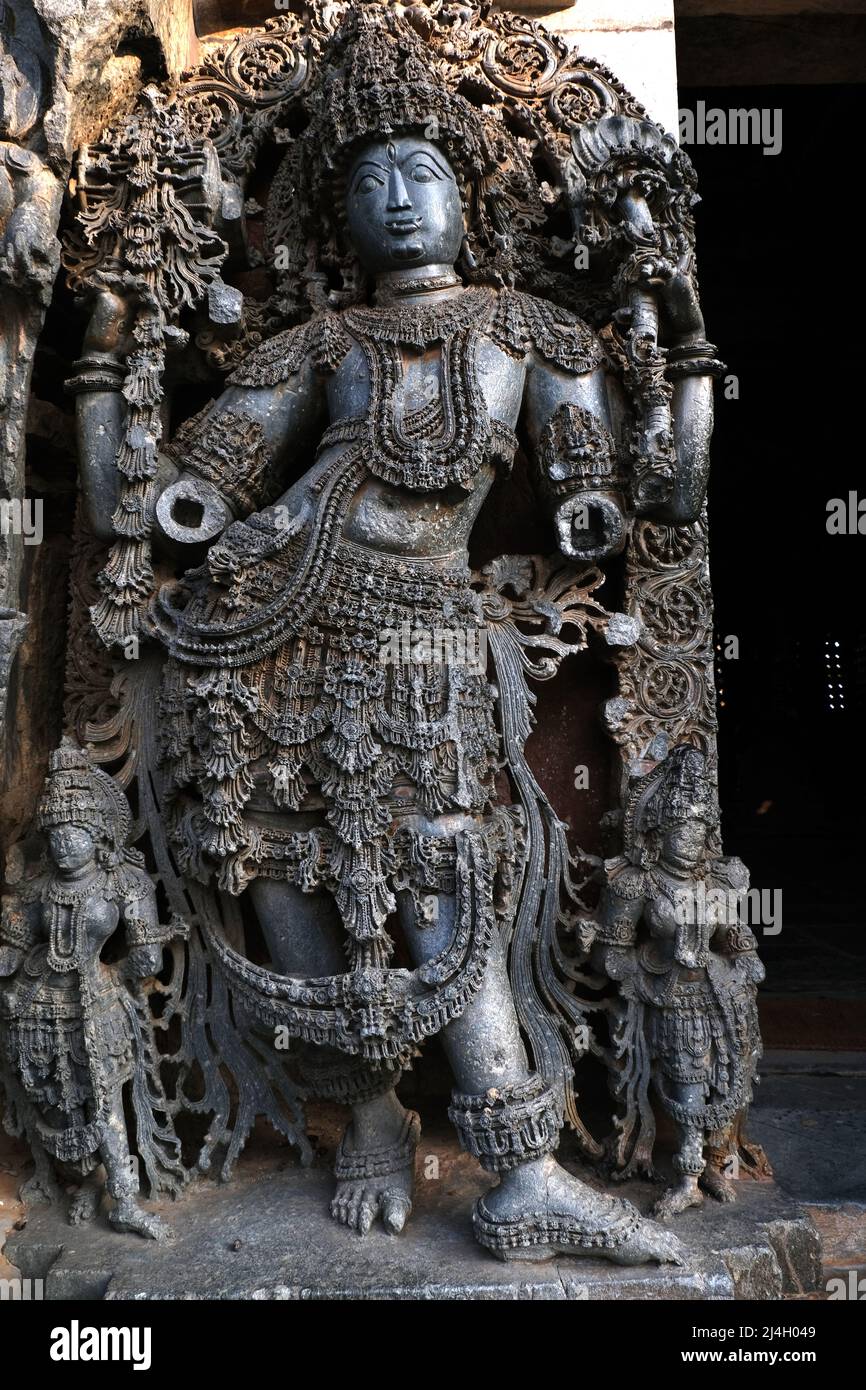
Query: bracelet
[(693, 359), (97, 372)]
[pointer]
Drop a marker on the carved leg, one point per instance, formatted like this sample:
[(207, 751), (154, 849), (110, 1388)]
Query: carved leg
[(508, 1118), (42, 1185), (718, 1178), (689, 1158), (374, 1168), (122, 1182)]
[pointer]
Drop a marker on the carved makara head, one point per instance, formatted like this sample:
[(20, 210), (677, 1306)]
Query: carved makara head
[(632, 186), (82, 810)]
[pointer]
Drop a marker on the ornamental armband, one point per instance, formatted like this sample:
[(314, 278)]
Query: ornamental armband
[(693, 359), (98, 371), (227, 449), (577, 454)]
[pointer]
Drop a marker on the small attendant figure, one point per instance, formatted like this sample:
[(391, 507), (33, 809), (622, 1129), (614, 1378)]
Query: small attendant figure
[(74, 1030)]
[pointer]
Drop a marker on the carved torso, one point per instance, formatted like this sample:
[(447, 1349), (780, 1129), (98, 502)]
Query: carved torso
[(434, 392)]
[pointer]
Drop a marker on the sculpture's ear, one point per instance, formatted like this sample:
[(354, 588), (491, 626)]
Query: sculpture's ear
[(107, 854)]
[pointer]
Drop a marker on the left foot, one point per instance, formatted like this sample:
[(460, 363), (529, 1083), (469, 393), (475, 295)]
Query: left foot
[(539, 1210), (714, 1181), (686, 1194)]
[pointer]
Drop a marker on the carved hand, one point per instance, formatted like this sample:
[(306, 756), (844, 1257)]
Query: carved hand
[(190, 511), (143, 961), (109, 326), (676, 293)]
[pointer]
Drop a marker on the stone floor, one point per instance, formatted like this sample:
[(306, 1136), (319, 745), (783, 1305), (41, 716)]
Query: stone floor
[(268, 1235)]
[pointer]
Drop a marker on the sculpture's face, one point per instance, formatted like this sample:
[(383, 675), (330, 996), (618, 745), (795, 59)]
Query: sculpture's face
[(685, 843), (403, 206), (71, 846)]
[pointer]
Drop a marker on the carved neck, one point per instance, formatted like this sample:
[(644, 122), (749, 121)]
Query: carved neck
[(74, 876), (418, 283), (683, 868)]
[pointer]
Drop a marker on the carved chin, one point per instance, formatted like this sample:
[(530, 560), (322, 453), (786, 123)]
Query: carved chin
[(408, 251)]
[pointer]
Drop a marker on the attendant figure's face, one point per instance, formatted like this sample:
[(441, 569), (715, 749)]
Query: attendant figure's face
[(685, 843), (71, 846), (403, 206)]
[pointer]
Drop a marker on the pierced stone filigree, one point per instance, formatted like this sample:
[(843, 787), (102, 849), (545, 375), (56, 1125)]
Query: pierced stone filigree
[(280, 741)]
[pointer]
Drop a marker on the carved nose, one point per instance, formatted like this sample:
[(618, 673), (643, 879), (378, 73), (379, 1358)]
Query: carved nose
[(398, 197)]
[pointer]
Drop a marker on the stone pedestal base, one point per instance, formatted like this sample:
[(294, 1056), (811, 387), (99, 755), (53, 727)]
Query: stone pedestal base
[(268, 1235)]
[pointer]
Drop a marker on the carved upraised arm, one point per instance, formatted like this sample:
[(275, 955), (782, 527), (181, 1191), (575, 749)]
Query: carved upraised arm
[(690, 366), (632, 192)]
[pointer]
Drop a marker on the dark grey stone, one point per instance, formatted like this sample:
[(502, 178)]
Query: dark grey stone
[(269, 1236)]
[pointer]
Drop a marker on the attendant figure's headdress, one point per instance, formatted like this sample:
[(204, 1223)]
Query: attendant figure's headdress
[(677, 791), (77, 793)]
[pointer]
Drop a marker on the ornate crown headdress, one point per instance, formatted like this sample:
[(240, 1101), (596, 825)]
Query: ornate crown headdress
[(77, 793), (374, 79)]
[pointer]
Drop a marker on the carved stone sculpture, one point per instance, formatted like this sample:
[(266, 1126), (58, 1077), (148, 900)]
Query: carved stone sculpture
[(481, 254), (670, 933), (74, 1031)]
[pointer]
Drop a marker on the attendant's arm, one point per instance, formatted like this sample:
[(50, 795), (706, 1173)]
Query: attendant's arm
[(19, 929), (691, 366)]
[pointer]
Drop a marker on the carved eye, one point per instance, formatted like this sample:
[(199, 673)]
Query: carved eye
[(422, 173), (368, 184)]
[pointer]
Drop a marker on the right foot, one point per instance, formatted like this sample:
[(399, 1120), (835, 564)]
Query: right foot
[(376, 1181), (686, 1194), (128, 1216), (40, 1188)]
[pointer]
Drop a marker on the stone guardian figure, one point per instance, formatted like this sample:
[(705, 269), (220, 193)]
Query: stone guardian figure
[(671, 933), (326, 501)]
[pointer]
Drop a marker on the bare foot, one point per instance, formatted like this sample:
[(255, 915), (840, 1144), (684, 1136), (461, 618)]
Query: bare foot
[(84, 1205), (539, 1210), (128, 1216), (686, 1194), (42, 1187), (376, 1181), (713, 1180)]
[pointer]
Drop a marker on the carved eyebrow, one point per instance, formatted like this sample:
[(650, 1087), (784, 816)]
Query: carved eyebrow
[(426, 154), (383, 168)]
